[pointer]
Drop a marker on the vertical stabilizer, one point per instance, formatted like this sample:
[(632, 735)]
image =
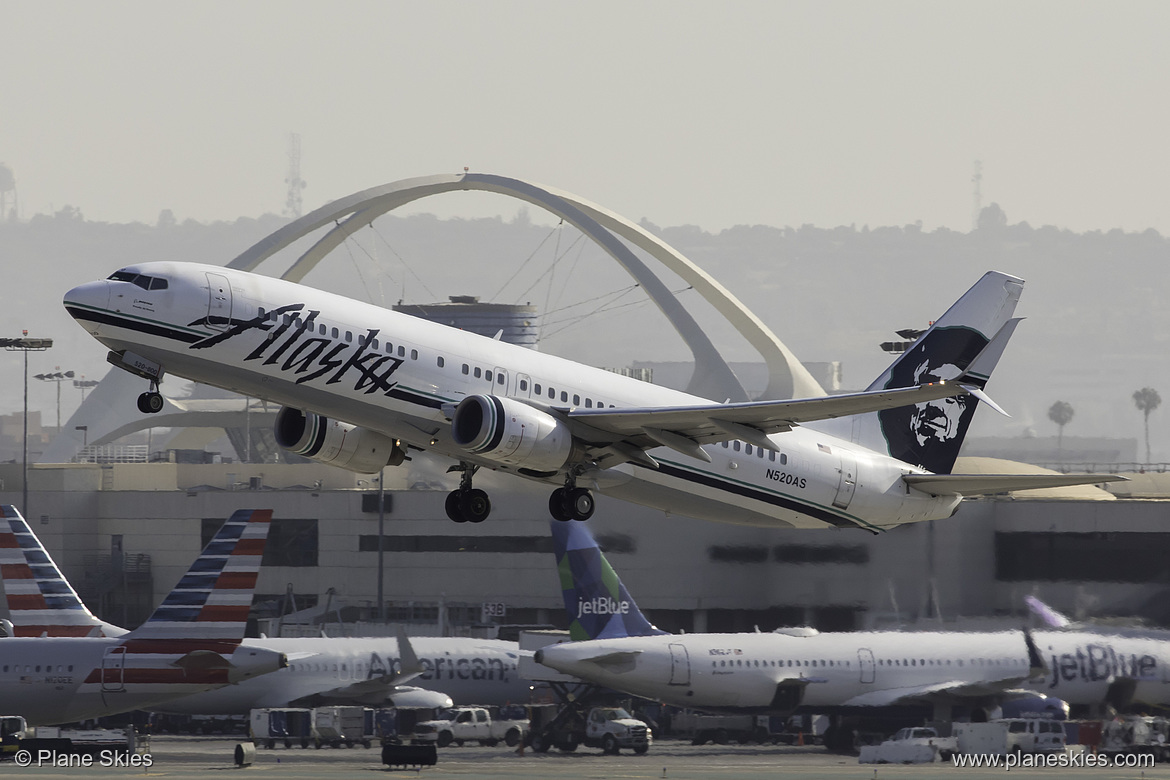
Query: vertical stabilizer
[(597, 603), (214, 597), (930, 434), (41, 602)]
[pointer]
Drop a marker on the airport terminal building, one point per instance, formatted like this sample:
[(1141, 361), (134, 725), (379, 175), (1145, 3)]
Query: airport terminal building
[(125, 532)]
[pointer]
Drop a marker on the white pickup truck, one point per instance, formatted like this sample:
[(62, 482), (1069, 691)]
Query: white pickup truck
[(470, 724), (913, 745)]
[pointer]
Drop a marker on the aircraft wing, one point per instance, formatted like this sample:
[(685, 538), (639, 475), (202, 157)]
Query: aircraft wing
[(941, 690), (985, 484), (625, 433)]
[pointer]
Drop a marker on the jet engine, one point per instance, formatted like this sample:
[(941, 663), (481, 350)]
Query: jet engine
[(511, 432), (336, 443)]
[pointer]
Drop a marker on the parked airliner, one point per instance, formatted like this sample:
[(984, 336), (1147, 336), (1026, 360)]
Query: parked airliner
[(360, 385), (838, 673), (191, 643), (321, 670)]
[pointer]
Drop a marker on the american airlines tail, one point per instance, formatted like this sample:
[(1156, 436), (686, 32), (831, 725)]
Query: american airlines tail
[(598, 605), (194, 637), (41, 602), (963, 345)]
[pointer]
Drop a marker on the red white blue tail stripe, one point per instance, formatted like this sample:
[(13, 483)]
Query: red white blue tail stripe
[(214, 597), (41, 602)]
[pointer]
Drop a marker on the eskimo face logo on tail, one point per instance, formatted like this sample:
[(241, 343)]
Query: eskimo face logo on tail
[(929, 434)]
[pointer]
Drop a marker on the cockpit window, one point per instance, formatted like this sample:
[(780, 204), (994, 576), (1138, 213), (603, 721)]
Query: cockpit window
[(141, 280)]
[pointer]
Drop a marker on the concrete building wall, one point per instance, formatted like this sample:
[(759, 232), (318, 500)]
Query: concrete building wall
[(693, 573)]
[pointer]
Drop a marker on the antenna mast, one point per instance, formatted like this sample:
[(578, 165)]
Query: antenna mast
[(292, 204)]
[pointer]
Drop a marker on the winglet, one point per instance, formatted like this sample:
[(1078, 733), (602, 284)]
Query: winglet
[(597, 603), (1047, 614)]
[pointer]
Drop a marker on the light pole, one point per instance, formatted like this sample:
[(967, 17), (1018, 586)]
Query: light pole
[(84, 384), (57, 377), (381, 544), (25, 345)]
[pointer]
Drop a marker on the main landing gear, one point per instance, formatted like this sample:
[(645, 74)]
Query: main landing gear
[(571, 502), (467, 504)]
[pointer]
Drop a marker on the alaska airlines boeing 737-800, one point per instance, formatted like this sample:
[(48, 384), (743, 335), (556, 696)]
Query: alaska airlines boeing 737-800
[(361, 384)]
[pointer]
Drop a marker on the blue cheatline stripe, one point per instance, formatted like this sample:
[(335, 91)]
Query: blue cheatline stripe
[(740, 489), (152, 327), (164, 330)]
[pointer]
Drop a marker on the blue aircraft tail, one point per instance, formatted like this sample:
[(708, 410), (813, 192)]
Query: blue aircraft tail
[(598, 605)]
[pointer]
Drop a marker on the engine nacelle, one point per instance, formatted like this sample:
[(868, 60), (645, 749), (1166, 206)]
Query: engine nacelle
[(511, 432), (336, 443)]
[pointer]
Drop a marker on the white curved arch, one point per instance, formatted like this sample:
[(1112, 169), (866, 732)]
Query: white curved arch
[(712, 377)]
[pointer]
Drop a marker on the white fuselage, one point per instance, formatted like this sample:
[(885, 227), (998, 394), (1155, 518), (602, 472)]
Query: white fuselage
[(321, 669), (743, 672), (53, 680), (1080, 666), (393, 373)]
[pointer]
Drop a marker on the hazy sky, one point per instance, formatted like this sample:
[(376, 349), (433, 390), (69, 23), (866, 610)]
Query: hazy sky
[(713, 114)]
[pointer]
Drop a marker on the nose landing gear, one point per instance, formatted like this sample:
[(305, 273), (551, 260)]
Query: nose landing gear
[(151, 402)]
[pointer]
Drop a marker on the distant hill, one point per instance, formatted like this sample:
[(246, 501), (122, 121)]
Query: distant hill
[(1098, 327)]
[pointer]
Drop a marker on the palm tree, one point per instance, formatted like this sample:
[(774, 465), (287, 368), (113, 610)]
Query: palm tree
[(1060, 413), (1147, 400)]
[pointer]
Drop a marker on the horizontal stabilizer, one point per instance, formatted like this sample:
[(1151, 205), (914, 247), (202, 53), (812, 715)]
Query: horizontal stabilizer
[(987, 484)]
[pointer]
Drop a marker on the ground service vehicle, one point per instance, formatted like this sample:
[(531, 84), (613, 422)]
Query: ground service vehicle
[(468, 724), (609, 728)]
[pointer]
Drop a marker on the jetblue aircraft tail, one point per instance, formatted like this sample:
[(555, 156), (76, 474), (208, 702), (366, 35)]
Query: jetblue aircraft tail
[(598, 605), (41, 602), (963, 345)]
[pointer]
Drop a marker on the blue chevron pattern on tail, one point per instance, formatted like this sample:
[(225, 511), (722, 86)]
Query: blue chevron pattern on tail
[(41, 602)]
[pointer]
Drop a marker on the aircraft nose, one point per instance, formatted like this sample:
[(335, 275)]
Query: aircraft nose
[(87, 297)]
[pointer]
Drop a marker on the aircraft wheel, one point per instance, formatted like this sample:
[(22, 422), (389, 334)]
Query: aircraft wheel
[(540, 743), (452, 506), (558, 506), (475, 505), (150, 403), (445, 739), (580, 504)]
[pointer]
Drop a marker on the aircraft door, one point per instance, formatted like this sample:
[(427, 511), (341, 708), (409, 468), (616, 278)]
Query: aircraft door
[(114, 669), (501, 379), (680, 665), (866, 662), (219, 301), (848, 483)]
